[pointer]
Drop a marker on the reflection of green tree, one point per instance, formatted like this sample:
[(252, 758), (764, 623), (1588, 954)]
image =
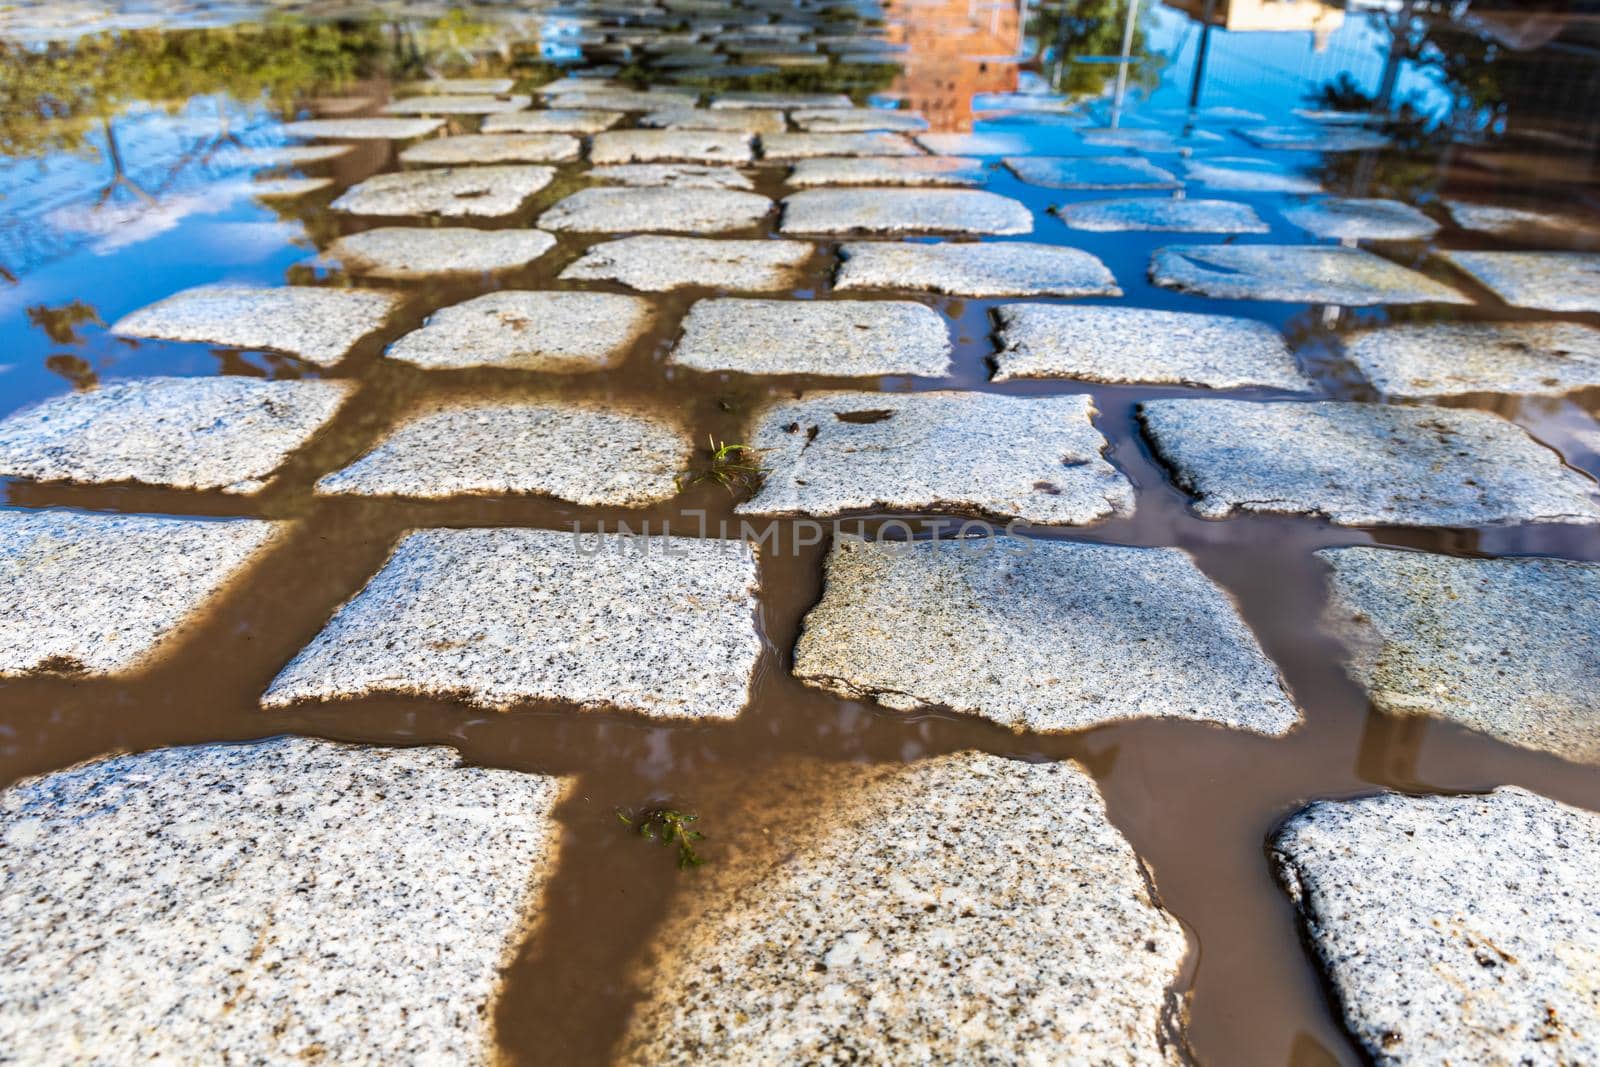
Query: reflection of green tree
[(61, 324), (1089, 28)]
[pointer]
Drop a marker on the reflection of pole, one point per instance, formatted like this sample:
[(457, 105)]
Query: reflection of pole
[(1122, 68), (1391, 63), (1200, 54)]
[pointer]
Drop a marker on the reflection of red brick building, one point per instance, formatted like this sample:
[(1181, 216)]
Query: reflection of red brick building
[(954, 48)]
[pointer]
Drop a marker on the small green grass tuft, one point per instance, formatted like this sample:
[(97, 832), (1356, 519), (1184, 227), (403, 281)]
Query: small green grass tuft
[(735, 467), (668, 827)]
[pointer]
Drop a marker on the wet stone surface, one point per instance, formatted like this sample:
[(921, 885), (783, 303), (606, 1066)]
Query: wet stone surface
[(485, 192), (751, 120), (1313, 138), (887, 170), (1046, 636), (1036, 459), (1315, 274), (554, 120), (1455, 358), (780, 146), (1549, 281), (1502, 646), (658, 264), (1247, 175), (1517, 222), (486, 446), (1453, 929), (1113, 344), (664, 146), (1091, 172), (865, 920), (229, 434), (858, 120), (672, 176), (390, 129), (494, 148), (975, 144), (555, 332), (96, 594), (412, 252), (1361, 219), (267, 902), (457, 104), (687, 210), (903, 211), (1011, 268), (839, 339), (1364, 464), (1157, 213), (495, 617), (785, 101)]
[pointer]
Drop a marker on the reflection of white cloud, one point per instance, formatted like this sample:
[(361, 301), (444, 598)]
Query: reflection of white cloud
[(120, 223)]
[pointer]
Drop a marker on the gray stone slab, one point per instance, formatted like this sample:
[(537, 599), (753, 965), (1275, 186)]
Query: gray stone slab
[(552, 332), (290, 155), (1361, 219), (619, 100), (287, 188), (1452, 929), (903, 211), (580, 84), (887, 170), (494, 148), (1364, 464), (976, 144), (1454, 358), (390, 129), (658, 264), (486, 192), (832, 338), (311, 323), (750, 120), (900, 920), (1091, 172), (1301, 274), (1000, 268), (1139, 345), (98, 594), (663, 146), (412, 252), (1502, 646), (1149, 140), (859, 120), (687, 210), (1314, 138), (783, 101), (1162, 213), (1549, 281), (789, 146), (1045, 636), (489, 446), (1038, 459), (553, 120), (1506, 221), (228, 434), (271, 902), (673, 176), (664, 626), (458, 104), (449, 86), (1247, 175)]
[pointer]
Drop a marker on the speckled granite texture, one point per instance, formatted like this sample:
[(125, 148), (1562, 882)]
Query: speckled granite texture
[(494, 148), (1091, 172), (586, 454), (314, 324), (555, 120), (1503, 646), (1453, 929), (1549, 281), (1162, 213), (796, 101), (1508, 221), (962, 909), (553, 332), (1362, 219), (1004, 268), (362, 129), (658, 264), (1364, 464), (1453, 358), (858, 120), (991, 143), (458, 104), (286, 188), (903, 211), (833, 338), (489, 192), (1313, 274), (1248, 175), (1037, 459), (819, 145), (749, 120), (667, 146), (412, 252), (294, 901), (887, 170), (494, 617), (673, 176), (619, 100), (680, 209), (225, 433), (1313, 138), (103, 594), (1115, 344), (1049, 636)]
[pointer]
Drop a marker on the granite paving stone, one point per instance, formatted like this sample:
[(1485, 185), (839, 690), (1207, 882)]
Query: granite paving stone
[(449, 86), (899, 917), (783, 101), (1248, 175), (494, 148), (96, 594), (672, 176), (1162, 213), (887, 170), (458, 104), (269, 902), (290, 155), (413, 252), (659, 264), (314, 324), (488, 192), (666, 146), (1508, 221), (619, 100), (664, 626), (553, 120), (1046, 636), (1453, 358), (491, 446), (1361, 219), (1548, 281), (1036, 459), (831, 338), (903, 211), (1452, 929), (976, 144), (1310, 274), (790, 146), (1140, 345), (1314, 138), (384, 129), (1364, 464), (1091, 172), (552, 332), (750, 120), (223, 433), (1002, 268), (287, 188), (859, 120), (681, 209)]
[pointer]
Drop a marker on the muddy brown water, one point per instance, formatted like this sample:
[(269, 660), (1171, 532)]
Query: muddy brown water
[(1197, 802)]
